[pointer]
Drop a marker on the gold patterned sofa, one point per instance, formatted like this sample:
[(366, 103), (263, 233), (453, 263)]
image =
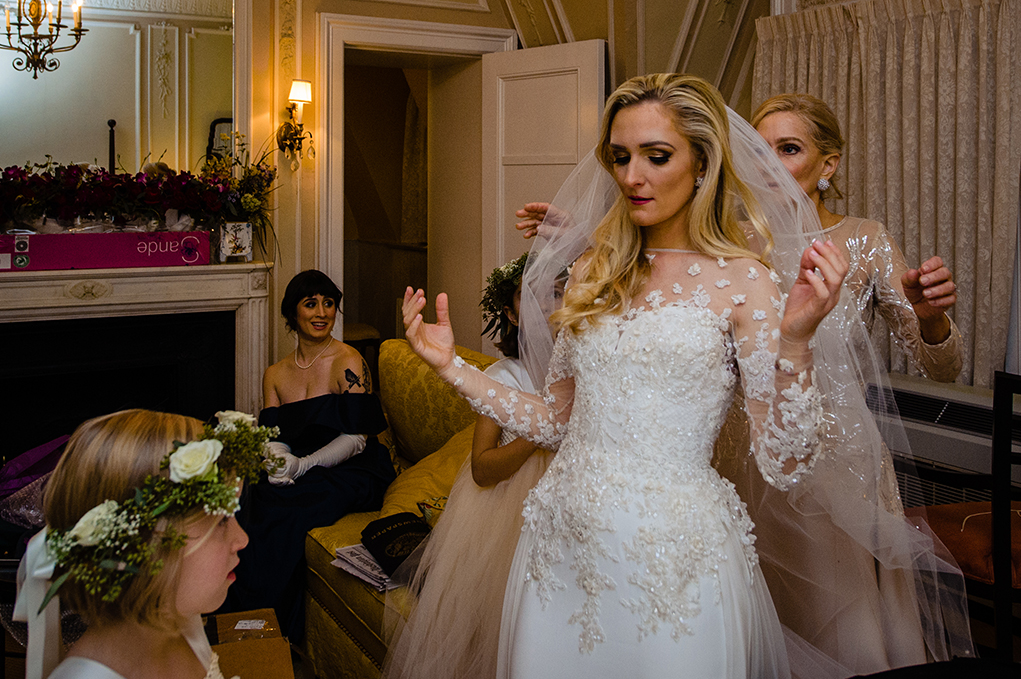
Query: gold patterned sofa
[(431, 434)]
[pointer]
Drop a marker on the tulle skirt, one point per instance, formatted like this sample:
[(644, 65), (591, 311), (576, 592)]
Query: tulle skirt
[(859, 587), (446, 624)]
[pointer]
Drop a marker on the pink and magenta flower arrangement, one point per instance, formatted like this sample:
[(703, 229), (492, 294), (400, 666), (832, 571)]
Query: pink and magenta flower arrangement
[(227, 189)]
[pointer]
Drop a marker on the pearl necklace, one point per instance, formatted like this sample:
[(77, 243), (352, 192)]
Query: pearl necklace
[(306, 367)]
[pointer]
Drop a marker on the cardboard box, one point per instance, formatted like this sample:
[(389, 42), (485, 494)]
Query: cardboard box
[(47, 251), (249, 645), (256, 659)]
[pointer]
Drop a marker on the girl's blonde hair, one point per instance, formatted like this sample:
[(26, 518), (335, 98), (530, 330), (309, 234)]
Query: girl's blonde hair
[(615, 268), (107, 458), (822, 125)]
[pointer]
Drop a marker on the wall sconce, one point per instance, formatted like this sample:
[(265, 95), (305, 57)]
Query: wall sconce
[(291, 134)]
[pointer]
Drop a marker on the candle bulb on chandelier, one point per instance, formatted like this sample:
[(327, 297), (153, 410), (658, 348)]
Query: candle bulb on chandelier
[(78, 15), (49, 15), (60, 5)]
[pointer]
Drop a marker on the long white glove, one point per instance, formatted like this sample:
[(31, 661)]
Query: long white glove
[(330, 455)]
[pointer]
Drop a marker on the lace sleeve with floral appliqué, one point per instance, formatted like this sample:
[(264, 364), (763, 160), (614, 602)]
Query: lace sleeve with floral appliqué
[(540, 419), (784, 406), (886, 265)]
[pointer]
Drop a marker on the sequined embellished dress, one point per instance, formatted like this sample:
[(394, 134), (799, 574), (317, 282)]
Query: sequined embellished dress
[(871, 613), (636, 558)]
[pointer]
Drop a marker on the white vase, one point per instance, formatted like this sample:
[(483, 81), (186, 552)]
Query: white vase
[(236, 240)]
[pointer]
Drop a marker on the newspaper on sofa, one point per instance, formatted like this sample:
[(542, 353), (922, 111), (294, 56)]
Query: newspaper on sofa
[(357, 561)]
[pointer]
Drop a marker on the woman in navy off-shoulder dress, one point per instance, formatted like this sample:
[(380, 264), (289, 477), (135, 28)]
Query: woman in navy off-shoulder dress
[(329, 461)]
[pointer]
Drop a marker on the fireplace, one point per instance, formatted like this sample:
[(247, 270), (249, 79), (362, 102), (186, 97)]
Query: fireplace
[(77, 344)]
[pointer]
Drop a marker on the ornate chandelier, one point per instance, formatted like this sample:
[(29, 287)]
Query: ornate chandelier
[(33, 30)]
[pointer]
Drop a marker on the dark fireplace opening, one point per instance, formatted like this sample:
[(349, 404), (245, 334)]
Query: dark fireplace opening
[(56, 374)]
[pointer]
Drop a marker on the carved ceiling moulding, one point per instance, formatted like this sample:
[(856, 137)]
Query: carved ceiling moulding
[(463, 5), (205, 8)]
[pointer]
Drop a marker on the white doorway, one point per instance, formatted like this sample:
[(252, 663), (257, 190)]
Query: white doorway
[(461, 236)]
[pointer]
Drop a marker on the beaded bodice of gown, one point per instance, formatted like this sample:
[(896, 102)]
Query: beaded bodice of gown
[(634, 403)]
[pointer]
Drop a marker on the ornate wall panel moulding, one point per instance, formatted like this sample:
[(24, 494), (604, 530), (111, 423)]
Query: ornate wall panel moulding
[(288, 14), (206, 8), (87, 289), (466, 5), (163, 58)]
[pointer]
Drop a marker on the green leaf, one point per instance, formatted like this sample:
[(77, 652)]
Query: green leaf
[(162, 508), (52, 592)]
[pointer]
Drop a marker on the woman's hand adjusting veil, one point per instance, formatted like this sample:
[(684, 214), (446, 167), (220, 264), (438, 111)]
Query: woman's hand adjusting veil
[(815, 291), (433, 342), (540, 219)]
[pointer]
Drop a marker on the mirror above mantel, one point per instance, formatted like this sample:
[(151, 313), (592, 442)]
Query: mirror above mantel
[(163, 71)]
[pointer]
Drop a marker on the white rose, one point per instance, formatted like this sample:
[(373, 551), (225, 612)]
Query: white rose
[(235, 417), (194, 459), (91, 528)]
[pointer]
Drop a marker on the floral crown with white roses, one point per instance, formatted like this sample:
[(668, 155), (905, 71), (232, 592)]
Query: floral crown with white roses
[(115, 541)]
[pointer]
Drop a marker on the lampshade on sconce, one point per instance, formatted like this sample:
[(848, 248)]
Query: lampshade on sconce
[(301, 92), (291, 134)]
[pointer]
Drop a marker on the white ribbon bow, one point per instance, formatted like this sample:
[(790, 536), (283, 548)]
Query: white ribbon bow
[(34, 574)]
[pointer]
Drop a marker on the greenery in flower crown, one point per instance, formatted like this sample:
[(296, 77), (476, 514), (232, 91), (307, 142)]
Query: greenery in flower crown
[(499, 293), (114, 541)]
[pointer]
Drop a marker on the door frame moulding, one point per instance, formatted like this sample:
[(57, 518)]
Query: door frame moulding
[(338, 32)]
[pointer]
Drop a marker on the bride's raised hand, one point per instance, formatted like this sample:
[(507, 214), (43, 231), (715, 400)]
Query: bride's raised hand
[(815, 292), (433, 342)]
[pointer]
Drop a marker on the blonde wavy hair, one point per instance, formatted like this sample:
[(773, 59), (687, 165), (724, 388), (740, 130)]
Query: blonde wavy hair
[(614, 269), (822, 125), (107, 458)]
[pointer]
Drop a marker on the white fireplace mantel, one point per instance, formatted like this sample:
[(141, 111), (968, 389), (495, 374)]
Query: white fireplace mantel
[(97, 293)]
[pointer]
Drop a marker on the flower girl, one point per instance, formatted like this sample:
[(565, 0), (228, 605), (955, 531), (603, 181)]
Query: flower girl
[(140, 540)]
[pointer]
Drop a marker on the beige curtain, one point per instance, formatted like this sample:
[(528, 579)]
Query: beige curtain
[(928, 94)]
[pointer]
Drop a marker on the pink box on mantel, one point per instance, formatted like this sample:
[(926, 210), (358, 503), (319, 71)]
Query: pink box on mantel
[(45, 251)]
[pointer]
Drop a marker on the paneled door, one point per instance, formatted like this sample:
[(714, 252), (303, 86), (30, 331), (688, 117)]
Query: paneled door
[(541, 109)]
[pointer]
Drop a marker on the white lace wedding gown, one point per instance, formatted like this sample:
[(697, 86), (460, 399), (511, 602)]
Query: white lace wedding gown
[(637, 558)]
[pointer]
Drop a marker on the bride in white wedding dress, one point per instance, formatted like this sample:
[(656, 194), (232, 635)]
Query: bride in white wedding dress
[(636, 558)]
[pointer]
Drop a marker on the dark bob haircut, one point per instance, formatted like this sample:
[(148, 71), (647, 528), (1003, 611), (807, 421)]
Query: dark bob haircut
[(306, 284)]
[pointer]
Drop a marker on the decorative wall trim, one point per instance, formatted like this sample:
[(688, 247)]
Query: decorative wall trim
[(189, 66), (530, 12), (517, 25), (100, 293), (163, 59), (735, 30), (640, 35), (337, 31), (682, 37), (243, 105), (565, 21), (477, 6), (205, 8), (162, 82), (553, 22)]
